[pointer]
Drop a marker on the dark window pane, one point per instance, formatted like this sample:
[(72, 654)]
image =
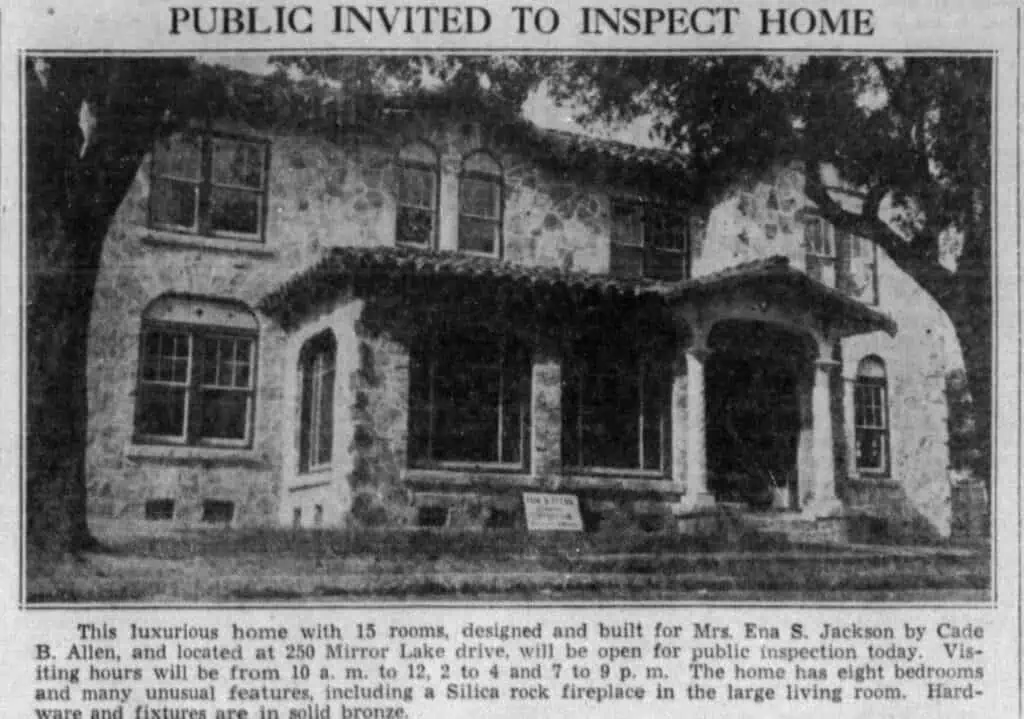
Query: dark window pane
[(237, 163), (479, 197), (668, 231), (419, 403), (161, 410), (305, 418), (477, 235), (180, 157), (611, 415), (627, 224), (173, 202), (415, 226), (626, 261), (656, 392), (870, 449), (666, 265), (325, 431), (235, 211), (224, 414), (416, 187)]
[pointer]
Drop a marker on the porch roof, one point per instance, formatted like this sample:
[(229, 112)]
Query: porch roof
[(344, 269)]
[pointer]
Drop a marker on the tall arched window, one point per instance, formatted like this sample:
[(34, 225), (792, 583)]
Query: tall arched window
[(417, 195), (316, 411), (196, 376), (871, 416), (480, 205)]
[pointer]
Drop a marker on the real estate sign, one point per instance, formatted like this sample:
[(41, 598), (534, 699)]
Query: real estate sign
[(552, 512)]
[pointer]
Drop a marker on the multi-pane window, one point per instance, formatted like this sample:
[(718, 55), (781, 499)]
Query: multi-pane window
[(649, 241), (316, 411), (469, 398), (615, 407), (480, 200), (196, 375), (417, 195), (820, 244), (209, 185), (858, 267), (871, 417)]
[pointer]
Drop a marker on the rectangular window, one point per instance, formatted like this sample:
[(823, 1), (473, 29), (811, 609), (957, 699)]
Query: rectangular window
[(480, 214), (649, 241), (469, 400), (316, 413), (615, 408), (209, 184), (871, 424), (196, 386), (417, 193), (820, 246), (858, 261)]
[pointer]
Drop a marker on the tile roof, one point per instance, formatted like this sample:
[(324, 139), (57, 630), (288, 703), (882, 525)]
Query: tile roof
[(337, 270)]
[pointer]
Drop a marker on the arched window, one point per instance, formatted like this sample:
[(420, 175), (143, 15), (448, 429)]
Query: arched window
[(316, 411), (196, 376), (871, 416), (480, 205), (417, 195)]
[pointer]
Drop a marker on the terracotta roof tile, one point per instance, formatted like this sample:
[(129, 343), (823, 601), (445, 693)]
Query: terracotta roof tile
[(336, 271)]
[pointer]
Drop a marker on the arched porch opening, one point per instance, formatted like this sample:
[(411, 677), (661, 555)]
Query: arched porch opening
[(757, 410)]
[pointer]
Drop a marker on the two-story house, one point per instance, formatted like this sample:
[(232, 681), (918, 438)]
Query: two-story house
[(412, 321)]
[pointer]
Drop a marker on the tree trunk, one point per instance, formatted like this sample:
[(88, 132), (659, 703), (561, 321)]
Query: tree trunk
[(76, 177)]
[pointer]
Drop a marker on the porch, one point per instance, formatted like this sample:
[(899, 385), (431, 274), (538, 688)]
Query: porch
[(665, 398)]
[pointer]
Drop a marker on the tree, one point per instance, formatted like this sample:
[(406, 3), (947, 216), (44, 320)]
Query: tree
[(912, 135), (88, 124)]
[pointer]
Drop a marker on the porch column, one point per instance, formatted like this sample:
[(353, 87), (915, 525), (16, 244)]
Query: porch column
[(696, 492), (546, 413), (822, 500)]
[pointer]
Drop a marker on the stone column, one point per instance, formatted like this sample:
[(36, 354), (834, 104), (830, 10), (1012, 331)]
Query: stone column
[(546, 413), (679, 423), (696, 493), (823, 500)]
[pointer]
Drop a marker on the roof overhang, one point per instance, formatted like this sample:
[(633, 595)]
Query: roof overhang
[(431, 275)]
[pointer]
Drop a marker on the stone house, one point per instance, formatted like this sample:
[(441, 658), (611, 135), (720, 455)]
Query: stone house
[(411, 320)]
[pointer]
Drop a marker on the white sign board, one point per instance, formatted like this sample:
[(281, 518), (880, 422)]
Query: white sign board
[(552, 512)]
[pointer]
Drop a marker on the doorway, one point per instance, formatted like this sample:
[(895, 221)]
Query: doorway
[(752, 396)]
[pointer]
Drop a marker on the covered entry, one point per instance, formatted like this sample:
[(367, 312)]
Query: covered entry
[(755, 380)]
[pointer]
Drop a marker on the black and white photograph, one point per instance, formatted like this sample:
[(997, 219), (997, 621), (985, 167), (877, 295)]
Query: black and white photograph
[(518, 327)]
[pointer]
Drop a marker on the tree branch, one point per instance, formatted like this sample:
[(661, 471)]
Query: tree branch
[(912, 257)]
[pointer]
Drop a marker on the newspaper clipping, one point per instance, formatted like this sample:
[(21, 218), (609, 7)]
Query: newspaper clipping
[(414, 360)]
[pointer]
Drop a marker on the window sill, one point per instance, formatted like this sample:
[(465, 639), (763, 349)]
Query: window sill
[(185, 241), (504, 481), (883, 480), (468, 478), (193, 453)]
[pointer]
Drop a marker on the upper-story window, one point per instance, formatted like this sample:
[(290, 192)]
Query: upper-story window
[(649, 241), (480, 205), (196, 375), (820, 243), (417, 195), (858, 276), (209, 184), (841, 260)]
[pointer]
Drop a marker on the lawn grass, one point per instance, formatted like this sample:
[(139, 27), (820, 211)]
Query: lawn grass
[(281, 566)]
